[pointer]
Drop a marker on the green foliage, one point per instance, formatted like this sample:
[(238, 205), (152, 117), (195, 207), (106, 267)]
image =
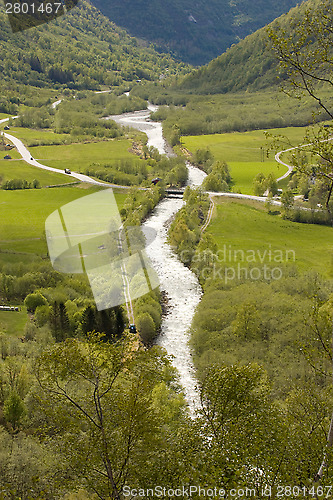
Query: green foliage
[(261, 184), (83, 51), (34, 300), (111, 426), (287, 200), (146, 327), (218, 178), (138, 204), (35, 118), (26, 467), (232, 112), (203, 158), (184, 232), (109, 322), (245, 321), (148, 314), (13, 410), (12, 184)]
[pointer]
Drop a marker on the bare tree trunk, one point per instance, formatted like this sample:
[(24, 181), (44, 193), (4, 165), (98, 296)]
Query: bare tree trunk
[(329, 444), (329, 196)]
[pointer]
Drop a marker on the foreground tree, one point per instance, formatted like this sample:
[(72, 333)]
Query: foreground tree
[(304, 51), (99, 399)]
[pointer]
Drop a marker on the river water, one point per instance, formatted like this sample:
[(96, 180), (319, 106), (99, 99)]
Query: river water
[(176, 280), (140, 120)]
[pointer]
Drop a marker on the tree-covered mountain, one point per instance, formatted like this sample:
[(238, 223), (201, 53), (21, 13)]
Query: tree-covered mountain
[(195, 32), (81, 50), (248, 66)]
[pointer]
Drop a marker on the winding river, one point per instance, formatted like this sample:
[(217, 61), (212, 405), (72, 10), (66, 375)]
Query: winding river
[(180, 284)]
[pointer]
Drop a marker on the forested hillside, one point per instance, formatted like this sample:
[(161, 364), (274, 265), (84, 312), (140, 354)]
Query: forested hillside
[(81, 50), (248, 66), (193, 31)]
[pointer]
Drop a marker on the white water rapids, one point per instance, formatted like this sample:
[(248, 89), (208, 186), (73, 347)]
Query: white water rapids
[(180, 284)]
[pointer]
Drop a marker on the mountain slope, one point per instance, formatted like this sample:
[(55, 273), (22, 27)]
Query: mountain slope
[(81, 50), (248, 66), (196, 32)]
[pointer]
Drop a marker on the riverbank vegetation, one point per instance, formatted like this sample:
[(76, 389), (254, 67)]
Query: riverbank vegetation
[(267, 300), (187, 114), (255, 265)]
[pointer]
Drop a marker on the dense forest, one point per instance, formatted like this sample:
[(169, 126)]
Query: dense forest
[(82, 50)]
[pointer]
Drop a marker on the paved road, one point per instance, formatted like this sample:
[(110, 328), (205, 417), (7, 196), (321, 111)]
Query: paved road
[(26, 155), (290, 167), (243, 196)]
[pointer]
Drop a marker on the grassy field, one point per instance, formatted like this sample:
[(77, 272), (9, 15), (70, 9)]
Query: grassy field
[(32, 136), (19, 169), (78, 157), (246, 226), (245, 152), (12, 153), (23, 215), (13, 322)]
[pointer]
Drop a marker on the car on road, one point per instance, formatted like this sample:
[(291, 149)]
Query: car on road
[(156, 180), (67, 171)]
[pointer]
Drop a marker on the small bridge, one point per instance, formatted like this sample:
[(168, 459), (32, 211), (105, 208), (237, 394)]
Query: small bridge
[(174, 192)]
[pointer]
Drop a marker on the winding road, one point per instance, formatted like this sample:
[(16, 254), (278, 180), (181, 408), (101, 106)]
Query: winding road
[(141, 121), (26, 155), (179, 283)]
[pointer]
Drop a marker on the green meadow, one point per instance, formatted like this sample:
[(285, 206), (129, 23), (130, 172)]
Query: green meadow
[(13, 153), (246, 152), (244, 226), (78, 157), (19, 169), (23, 215), (13, 322), (32, 136)]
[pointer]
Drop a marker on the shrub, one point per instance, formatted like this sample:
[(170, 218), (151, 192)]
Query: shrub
[(146, 327), (33, 300)]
